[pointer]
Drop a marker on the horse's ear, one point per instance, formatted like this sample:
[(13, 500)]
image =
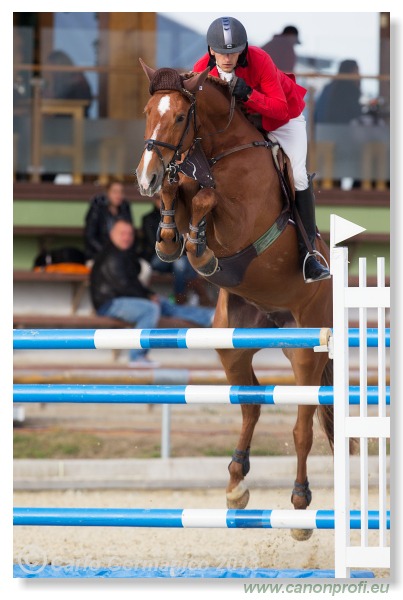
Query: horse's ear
[(147, 70), (195, 82)]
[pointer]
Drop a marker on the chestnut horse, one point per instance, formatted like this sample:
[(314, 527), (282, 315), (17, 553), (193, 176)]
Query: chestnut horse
[(235, 236)]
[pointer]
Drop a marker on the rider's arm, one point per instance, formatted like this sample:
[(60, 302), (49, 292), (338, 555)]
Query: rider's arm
[(270, 99)]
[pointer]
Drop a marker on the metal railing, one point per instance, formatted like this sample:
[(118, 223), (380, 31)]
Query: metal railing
[(96, 148)]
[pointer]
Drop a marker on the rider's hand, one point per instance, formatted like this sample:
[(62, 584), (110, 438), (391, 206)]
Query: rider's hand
[(242, 90)]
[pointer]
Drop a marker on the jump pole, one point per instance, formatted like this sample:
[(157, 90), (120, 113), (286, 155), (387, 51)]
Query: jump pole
[(202, 338), (187, 394), (209, 517)]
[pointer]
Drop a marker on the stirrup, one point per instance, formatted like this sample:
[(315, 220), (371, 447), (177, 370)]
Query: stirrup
[(308, 255)]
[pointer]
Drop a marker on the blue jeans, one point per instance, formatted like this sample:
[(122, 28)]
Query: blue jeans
[(182, 270), (145, 314)]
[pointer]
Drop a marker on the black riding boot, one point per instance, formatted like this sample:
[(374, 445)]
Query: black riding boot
[(305, 204)]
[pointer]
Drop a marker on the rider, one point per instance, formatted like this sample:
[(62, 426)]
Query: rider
[(276, 96)]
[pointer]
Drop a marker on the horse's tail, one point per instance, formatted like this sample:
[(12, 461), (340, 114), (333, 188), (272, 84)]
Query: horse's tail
[(325, 413)]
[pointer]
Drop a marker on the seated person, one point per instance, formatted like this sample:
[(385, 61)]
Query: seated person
[(66, 85), (185, 276), (105, 209), (117, 292)]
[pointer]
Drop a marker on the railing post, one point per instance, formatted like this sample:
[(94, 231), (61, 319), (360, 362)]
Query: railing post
[(36, 141), (339, 270), (166, 431)]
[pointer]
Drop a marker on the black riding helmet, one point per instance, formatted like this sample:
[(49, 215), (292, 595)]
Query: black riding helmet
[(227, 35)]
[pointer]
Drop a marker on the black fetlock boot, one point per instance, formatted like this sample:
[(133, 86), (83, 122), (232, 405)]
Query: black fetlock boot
[(305, 204)]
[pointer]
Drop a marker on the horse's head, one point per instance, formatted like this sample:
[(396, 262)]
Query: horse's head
[(170, 124)]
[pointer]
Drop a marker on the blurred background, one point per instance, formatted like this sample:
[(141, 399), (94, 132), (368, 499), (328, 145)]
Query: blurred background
[(79, 96)]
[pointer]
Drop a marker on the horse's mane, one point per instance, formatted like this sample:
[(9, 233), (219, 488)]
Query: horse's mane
[(212, 78), (221, 85)]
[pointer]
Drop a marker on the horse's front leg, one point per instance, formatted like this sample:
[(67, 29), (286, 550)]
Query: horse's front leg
[(201, 257), (169, 244), (238, 368)]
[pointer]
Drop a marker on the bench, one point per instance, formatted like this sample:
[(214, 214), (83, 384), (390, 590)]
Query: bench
[(80, 281), (92, 321)]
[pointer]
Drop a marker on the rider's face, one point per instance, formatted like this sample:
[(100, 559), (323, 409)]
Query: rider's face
[(226, 62)]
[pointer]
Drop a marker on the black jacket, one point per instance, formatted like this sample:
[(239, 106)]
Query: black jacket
[(149, 227), (114, 275), (99, 221)]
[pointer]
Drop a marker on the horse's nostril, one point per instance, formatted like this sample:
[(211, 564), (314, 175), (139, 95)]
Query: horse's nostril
[(153, 180)]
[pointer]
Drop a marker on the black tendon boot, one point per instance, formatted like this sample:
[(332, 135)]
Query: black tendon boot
[(305, 205)]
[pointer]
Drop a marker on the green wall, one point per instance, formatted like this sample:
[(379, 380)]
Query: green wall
[(62, 214)]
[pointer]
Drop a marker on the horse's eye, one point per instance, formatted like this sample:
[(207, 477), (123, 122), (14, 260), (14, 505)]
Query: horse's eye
[(180, 118)]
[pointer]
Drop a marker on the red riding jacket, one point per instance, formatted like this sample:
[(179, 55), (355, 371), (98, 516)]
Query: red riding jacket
[(276, 95)]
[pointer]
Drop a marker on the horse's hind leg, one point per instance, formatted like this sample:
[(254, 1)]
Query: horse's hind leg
[(308, 369)]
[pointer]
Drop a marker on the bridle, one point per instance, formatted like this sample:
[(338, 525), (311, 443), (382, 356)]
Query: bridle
[(171, 168)]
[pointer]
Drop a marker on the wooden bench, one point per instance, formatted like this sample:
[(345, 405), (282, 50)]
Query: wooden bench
[(80, 281), (92, 321)]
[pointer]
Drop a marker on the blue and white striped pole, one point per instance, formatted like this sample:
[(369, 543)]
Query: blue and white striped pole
[(128, 339), (188, 518), (185, 394)]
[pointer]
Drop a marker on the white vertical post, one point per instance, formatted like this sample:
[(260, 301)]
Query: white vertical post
[(363, 405), (339, 269), (166, 431), (382, 405)]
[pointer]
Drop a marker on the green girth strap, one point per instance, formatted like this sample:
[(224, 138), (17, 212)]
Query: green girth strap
[(270, 236)]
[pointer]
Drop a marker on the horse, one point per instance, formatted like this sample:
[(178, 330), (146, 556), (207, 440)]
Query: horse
[(222, 202)]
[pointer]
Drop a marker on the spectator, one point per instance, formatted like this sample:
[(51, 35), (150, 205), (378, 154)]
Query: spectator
[(185, 276), (281, 49), (21, 119), (339, 101), (117, 292), (66, 84), (105, 209), (21, 86)]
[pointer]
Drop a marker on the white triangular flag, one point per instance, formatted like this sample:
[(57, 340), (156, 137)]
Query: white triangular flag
[(341, 229)]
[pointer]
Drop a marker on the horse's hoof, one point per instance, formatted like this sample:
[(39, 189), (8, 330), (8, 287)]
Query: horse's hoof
[(170, 257), (238, 497), (301, 535), (209, 268)]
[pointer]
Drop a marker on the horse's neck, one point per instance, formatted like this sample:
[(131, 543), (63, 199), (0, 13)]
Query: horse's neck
[(234, 213), (219, 128)]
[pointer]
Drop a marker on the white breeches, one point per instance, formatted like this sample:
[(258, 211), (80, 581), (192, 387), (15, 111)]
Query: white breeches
[(292, 137)]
